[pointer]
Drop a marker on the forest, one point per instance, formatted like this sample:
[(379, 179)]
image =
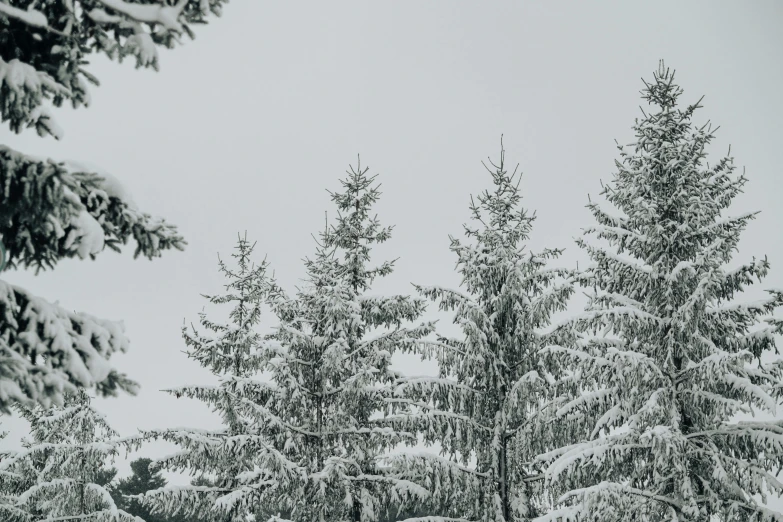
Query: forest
[(656, 402)]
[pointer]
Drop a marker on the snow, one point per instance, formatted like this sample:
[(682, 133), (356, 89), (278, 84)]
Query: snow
[(18, 75), (87, 233), (145, 48), (100, 16), (31, 16), (758, 306), (76, 344), (751, 390), (614, 231), (626, 260), (681, 266), (435, 519), (31, 85), (69, 443), (45, 122), (728, 221), (165, 15), (616, 219), (109, 184)]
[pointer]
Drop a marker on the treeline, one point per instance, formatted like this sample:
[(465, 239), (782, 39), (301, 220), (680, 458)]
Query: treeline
[(627, 411)]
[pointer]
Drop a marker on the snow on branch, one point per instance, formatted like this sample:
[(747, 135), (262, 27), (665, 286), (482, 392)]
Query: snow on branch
[(607, 486), (70, 32), (165, 15), (47, 351), (431, 462), (614, 233), (607, 219), (31, 17), (727, 222), (428, 415), (431, 384), (447, 295), (601, 255), (751, 309), (51, 211), (601, 397), (22, 91)]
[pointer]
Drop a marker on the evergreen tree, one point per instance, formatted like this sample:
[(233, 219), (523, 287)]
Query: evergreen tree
[(310, 441), (61, 473), (484, 408), (237, 455), (141, 480), (665, 357), (333, 360)]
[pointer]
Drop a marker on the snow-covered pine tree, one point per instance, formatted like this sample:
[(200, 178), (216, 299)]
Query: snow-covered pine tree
[(60, 473), (44, 47), (246, 471), (51, 211), (483, 410), (665, 357)]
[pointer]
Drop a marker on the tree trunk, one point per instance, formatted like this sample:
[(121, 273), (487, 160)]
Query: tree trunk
[(356, 511), (505, 501)]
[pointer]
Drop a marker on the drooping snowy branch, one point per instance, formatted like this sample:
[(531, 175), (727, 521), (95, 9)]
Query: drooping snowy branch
[(47, 351), (51, 211)]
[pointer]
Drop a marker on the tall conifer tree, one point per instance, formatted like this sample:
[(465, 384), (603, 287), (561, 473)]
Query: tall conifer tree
[(483, 410), (330, 359), (666, 355), (246, 471)]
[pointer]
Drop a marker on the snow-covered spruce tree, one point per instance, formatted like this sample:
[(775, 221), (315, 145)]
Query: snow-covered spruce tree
[(61, 474), (330, 362), (246, 471), (664, 356), (44, 47), (51, 211), (485, 407)]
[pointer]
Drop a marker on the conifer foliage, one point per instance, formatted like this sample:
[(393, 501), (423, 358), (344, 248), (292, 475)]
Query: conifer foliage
[(142, 479), (237, 456), (44, 47), (666, 354), (484, 410), (61, 474), (51, 211), (300, 405)]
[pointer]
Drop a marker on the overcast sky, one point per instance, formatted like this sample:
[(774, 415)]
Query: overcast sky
[(247, 126)]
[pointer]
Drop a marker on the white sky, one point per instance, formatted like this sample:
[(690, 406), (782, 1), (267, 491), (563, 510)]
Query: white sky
[(245, 127)]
